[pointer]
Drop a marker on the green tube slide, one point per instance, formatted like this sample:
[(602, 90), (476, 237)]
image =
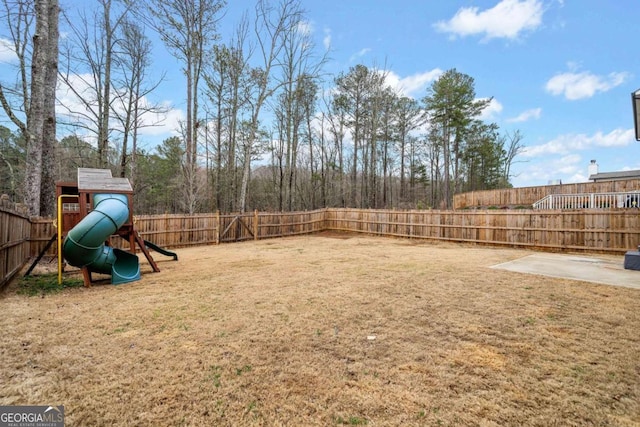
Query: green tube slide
[(84, 245)]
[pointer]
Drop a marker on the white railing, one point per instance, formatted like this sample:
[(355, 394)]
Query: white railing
[(629, 199)]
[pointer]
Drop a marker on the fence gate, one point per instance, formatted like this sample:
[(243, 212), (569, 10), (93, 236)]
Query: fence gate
[(234, 228)]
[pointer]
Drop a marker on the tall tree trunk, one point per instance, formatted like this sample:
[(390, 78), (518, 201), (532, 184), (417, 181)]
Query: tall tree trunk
[(447, 165), (230, 179), (311, 160), (403, 160), (293, 156), (188, 167), (48, 188), (36, 113), (103, 129), (246, 171), (342, 188), (354, 170), (218, 175), (125, 137), (134, 137)]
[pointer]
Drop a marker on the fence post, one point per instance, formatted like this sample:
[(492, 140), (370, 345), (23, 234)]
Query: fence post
[(255, 224), (217, 227)]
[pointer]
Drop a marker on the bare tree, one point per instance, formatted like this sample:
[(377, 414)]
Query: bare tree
[(89, 60), (308, 93), (229, 84), (408, 118), (18, 16), (299, 72), (35, 95), (187, 28), (511, 151), (337, 117), (133, 59), (103, 124), (359, 96), (14, 95), (216, 78), (272, 27)]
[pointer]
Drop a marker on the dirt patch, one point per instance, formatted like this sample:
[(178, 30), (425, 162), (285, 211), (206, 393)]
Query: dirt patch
[(319, 330)]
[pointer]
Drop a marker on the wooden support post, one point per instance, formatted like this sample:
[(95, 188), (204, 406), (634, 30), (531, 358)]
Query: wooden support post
[(218, 227), (145, 251), (255, 224), (86, 277), (41, 254)]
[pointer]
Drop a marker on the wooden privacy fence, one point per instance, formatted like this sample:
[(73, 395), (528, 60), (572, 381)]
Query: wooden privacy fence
[(177, 230), (283, 224), (42, 230), (174, 231), (15, 229), (583, 230), (526, 196), (183, 230), (610, 231), (615, 231)]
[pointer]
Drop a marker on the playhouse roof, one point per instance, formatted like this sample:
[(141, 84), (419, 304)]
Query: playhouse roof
[(101, 180)]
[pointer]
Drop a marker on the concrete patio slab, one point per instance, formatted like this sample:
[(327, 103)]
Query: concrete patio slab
[(608, 271)]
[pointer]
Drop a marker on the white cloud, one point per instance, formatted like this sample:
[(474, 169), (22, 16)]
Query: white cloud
[(577, 177), (7, 54), (492, 110), (575, 86), (525, 116), (567, 165), (68, 103), (359, 54), (414, 85), (567, 144), (326, 41), (158, 124), (569, 168), (305, 27), (76, 111), (508, 19)]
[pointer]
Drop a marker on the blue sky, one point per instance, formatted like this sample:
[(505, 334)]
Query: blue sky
[(559, 71)]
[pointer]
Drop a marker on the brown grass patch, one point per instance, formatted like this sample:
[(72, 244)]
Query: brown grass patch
[(320, 330)]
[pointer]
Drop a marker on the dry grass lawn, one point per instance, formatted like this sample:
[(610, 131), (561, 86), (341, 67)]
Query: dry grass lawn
[(328, 330)]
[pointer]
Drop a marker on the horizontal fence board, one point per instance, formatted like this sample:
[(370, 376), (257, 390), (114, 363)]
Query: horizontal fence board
[(15, 229), (608, 231), (526, 196), (615, 231), (601, 231)]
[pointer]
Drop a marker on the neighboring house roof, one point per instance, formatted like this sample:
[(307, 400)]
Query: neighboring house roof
[(615, 176)]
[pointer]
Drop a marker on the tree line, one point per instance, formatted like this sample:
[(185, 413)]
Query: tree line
[(264, 128)]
